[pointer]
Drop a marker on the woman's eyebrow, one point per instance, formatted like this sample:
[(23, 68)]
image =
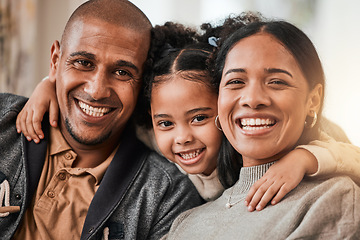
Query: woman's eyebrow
[(277, 70), (242, 70)]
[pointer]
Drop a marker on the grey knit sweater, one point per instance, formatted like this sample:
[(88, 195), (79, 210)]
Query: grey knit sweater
[(316, 209)]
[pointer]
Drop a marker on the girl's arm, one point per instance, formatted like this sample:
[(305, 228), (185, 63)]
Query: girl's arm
[(283, 176), (335, 158), (319, 158), (43, 99)]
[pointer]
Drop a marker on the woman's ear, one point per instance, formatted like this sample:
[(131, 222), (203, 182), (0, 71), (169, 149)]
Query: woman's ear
[(315, 99), (54, 60)]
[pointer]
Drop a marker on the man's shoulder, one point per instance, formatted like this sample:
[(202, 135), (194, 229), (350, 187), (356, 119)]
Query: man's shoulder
[(158, 164), (11, 102)]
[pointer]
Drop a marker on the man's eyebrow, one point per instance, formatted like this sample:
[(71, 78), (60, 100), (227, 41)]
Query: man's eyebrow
[(277, 70), (122, 63), (242, 70), (83, 54)]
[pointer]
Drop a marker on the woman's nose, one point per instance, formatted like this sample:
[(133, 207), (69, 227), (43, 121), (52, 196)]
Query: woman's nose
[(255, 96)]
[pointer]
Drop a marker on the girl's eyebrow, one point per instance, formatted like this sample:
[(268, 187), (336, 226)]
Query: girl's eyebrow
[(161, 115), (277, 70), (195, 110)]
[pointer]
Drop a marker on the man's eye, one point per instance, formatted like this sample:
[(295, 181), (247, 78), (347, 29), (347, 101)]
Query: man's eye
[(123, 75), (83, 63)]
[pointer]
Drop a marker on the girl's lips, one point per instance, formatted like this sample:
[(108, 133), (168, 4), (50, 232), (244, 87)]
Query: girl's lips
[(190, 157)]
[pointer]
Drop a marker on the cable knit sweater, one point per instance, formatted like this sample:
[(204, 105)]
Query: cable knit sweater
[(316, 209)]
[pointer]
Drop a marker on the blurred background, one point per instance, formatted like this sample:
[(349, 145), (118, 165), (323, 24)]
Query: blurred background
[(29, 27)]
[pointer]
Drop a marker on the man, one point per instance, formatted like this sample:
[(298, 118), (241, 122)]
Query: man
[(91, 177)]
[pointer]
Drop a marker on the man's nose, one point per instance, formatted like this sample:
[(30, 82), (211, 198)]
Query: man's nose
[(98, 86)]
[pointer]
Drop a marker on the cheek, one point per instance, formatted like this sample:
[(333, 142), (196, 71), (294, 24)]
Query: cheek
[(164, 143)]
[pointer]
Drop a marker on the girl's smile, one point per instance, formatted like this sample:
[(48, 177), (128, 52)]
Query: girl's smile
[(183, 113)]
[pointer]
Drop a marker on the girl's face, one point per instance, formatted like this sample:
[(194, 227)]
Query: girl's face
[(263, 99), (183, 115)]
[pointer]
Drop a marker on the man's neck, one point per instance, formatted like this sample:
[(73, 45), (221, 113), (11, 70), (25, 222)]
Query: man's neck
[(90, 156)]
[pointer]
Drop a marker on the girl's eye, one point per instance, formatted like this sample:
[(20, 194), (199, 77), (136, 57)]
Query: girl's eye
[(165, 124), (199, 118)]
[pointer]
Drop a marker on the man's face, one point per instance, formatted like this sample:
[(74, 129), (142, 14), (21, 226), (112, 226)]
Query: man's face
[(98, 75)]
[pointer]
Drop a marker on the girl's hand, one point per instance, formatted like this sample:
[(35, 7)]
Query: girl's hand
[(281, 178), (43, 99)]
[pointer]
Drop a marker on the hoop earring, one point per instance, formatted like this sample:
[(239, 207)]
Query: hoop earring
[(216, 123), (313, 121)]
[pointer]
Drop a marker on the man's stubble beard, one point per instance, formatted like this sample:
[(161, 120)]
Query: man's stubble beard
[(79, 139)]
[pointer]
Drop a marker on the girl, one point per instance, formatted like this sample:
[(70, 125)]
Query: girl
[(183, 109)]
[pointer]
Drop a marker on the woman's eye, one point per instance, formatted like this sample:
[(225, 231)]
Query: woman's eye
[(277, 81), (199, 118), (235, 82)]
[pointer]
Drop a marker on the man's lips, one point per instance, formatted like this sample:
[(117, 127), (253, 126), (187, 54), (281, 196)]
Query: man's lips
[(256, 123), (92, 110)]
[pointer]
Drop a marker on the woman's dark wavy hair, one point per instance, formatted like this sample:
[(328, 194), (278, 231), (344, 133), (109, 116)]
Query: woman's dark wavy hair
[(292, 38)]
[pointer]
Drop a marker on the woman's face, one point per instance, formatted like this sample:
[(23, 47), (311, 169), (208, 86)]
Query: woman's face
[(263, 99)]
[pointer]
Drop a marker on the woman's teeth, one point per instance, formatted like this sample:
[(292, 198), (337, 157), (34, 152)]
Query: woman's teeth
[(93, 111), (256, 123)]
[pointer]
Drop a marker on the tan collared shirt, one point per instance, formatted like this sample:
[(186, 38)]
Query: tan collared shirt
[(63, 196)]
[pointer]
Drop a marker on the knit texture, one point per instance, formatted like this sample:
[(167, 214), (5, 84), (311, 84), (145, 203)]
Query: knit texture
[(321, 209)]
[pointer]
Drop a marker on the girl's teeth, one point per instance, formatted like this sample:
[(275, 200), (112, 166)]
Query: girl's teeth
[(93, 111), (188, 156)]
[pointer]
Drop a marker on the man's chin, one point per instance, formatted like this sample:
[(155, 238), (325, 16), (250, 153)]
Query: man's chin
[(83, 138)]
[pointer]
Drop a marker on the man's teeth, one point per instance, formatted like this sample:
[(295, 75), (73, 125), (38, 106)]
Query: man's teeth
[(188, 156), (256, 123), (93, 111)]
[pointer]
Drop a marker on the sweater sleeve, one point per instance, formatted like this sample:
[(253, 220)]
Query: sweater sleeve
[(334, 157)]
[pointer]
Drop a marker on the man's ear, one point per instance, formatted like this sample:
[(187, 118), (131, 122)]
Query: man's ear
[(54, 60), (315, 99)]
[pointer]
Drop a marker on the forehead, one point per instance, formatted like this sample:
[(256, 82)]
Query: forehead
[(262, 46), (107, 40), (182, 92)]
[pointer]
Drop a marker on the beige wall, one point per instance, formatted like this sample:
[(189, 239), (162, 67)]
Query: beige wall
[(52, 18)]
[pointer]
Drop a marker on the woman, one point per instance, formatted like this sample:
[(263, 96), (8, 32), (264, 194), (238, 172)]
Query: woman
[(271, 86)]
